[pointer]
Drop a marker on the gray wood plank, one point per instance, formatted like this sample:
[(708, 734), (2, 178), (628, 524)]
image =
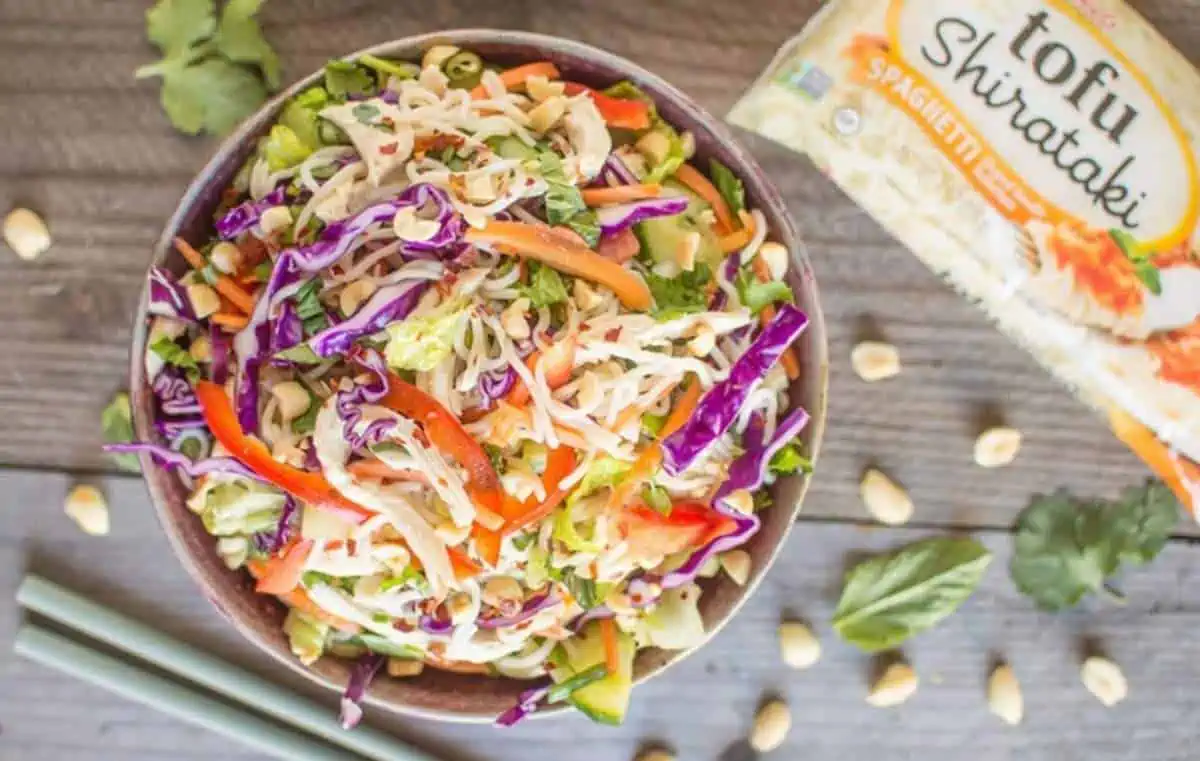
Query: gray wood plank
[(107, 171), (703, 706)]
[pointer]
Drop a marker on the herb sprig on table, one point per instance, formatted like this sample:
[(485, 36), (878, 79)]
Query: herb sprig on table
[(215, 71), (1066, 548), (891, 597)]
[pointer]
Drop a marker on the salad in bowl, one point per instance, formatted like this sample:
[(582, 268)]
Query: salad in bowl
[(479, 370)]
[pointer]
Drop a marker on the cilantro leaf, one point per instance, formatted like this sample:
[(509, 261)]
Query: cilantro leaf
[(677, 296), (757, 296), (1143, 520), (176, 25), (239, 38), (728, 185), (116, 421), (546, 287), (346, 78), (1065, 548), (213, 95), (177, 356), (789, 460)]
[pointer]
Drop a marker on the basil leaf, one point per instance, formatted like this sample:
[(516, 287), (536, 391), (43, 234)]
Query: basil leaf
[(728, 185), (889, 598)]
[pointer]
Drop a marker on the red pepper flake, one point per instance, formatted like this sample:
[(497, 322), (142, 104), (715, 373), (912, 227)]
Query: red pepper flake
[(613, 335), (389, 149)]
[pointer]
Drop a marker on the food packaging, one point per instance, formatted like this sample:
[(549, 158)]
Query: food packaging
[(1039, 155)]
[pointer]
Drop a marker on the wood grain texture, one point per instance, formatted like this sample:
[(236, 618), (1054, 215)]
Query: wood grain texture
[(108, 169), (88, 146), (702, 707)]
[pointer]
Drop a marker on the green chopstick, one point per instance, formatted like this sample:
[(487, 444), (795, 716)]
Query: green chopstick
[(171, 698), (55, 602)]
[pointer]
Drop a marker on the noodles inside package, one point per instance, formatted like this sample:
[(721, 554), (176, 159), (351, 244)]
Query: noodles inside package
[(1041, 156)]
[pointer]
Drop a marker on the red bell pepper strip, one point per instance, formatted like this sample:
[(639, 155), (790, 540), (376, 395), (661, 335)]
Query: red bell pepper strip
[(623, 113), (689, 525), (446, 432), (282, 573), (307, 487), (487, 544)]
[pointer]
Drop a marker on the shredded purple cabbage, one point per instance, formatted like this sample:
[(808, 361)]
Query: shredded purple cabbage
[(221, 346), (361, 676), (748, 471), (496, 384), (388, 304), (171, 459), (615, 172), (435, 626), (274, 541), (719, 407), (168, 298), (531, 608), (174, 393), (527, 703), (614, 219), (171, 427), (287, 329), (349, 403), (242, 217), (588, 616), (294, 267)]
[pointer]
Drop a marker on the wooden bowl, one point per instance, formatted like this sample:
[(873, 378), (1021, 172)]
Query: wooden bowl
[(437, 694)]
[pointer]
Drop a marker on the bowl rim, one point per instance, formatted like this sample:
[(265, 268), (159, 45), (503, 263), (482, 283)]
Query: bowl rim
[(768, 199)]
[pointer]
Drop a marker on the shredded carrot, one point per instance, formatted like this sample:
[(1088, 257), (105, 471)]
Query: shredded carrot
[(487, 544), (464, 567), (534, 242), (700, 185), (552, 501), (682, 410), (620, 194), (224, 285), (736, 241), (637, 410), (516, 76), (281, 573), (612, 650), (791, 365), (230, 320), (436, 142)]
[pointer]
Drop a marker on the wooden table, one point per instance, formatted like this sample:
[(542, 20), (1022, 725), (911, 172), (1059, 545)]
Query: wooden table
[(88, 146)]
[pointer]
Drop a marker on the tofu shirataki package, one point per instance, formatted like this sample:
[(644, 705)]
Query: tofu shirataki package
[(1041, 157)]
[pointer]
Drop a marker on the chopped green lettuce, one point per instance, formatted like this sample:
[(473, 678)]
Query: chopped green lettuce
[(546, 287), (306, 636), (283, 148), (675, 623), (757, 296), (237, 506), (728, 185), (421, 343)]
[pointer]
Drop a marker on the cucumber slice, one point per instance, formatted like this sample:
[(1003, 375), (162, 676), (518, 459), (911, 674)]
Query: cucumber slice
[(607, 700), (512, 148), (660, 237)]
